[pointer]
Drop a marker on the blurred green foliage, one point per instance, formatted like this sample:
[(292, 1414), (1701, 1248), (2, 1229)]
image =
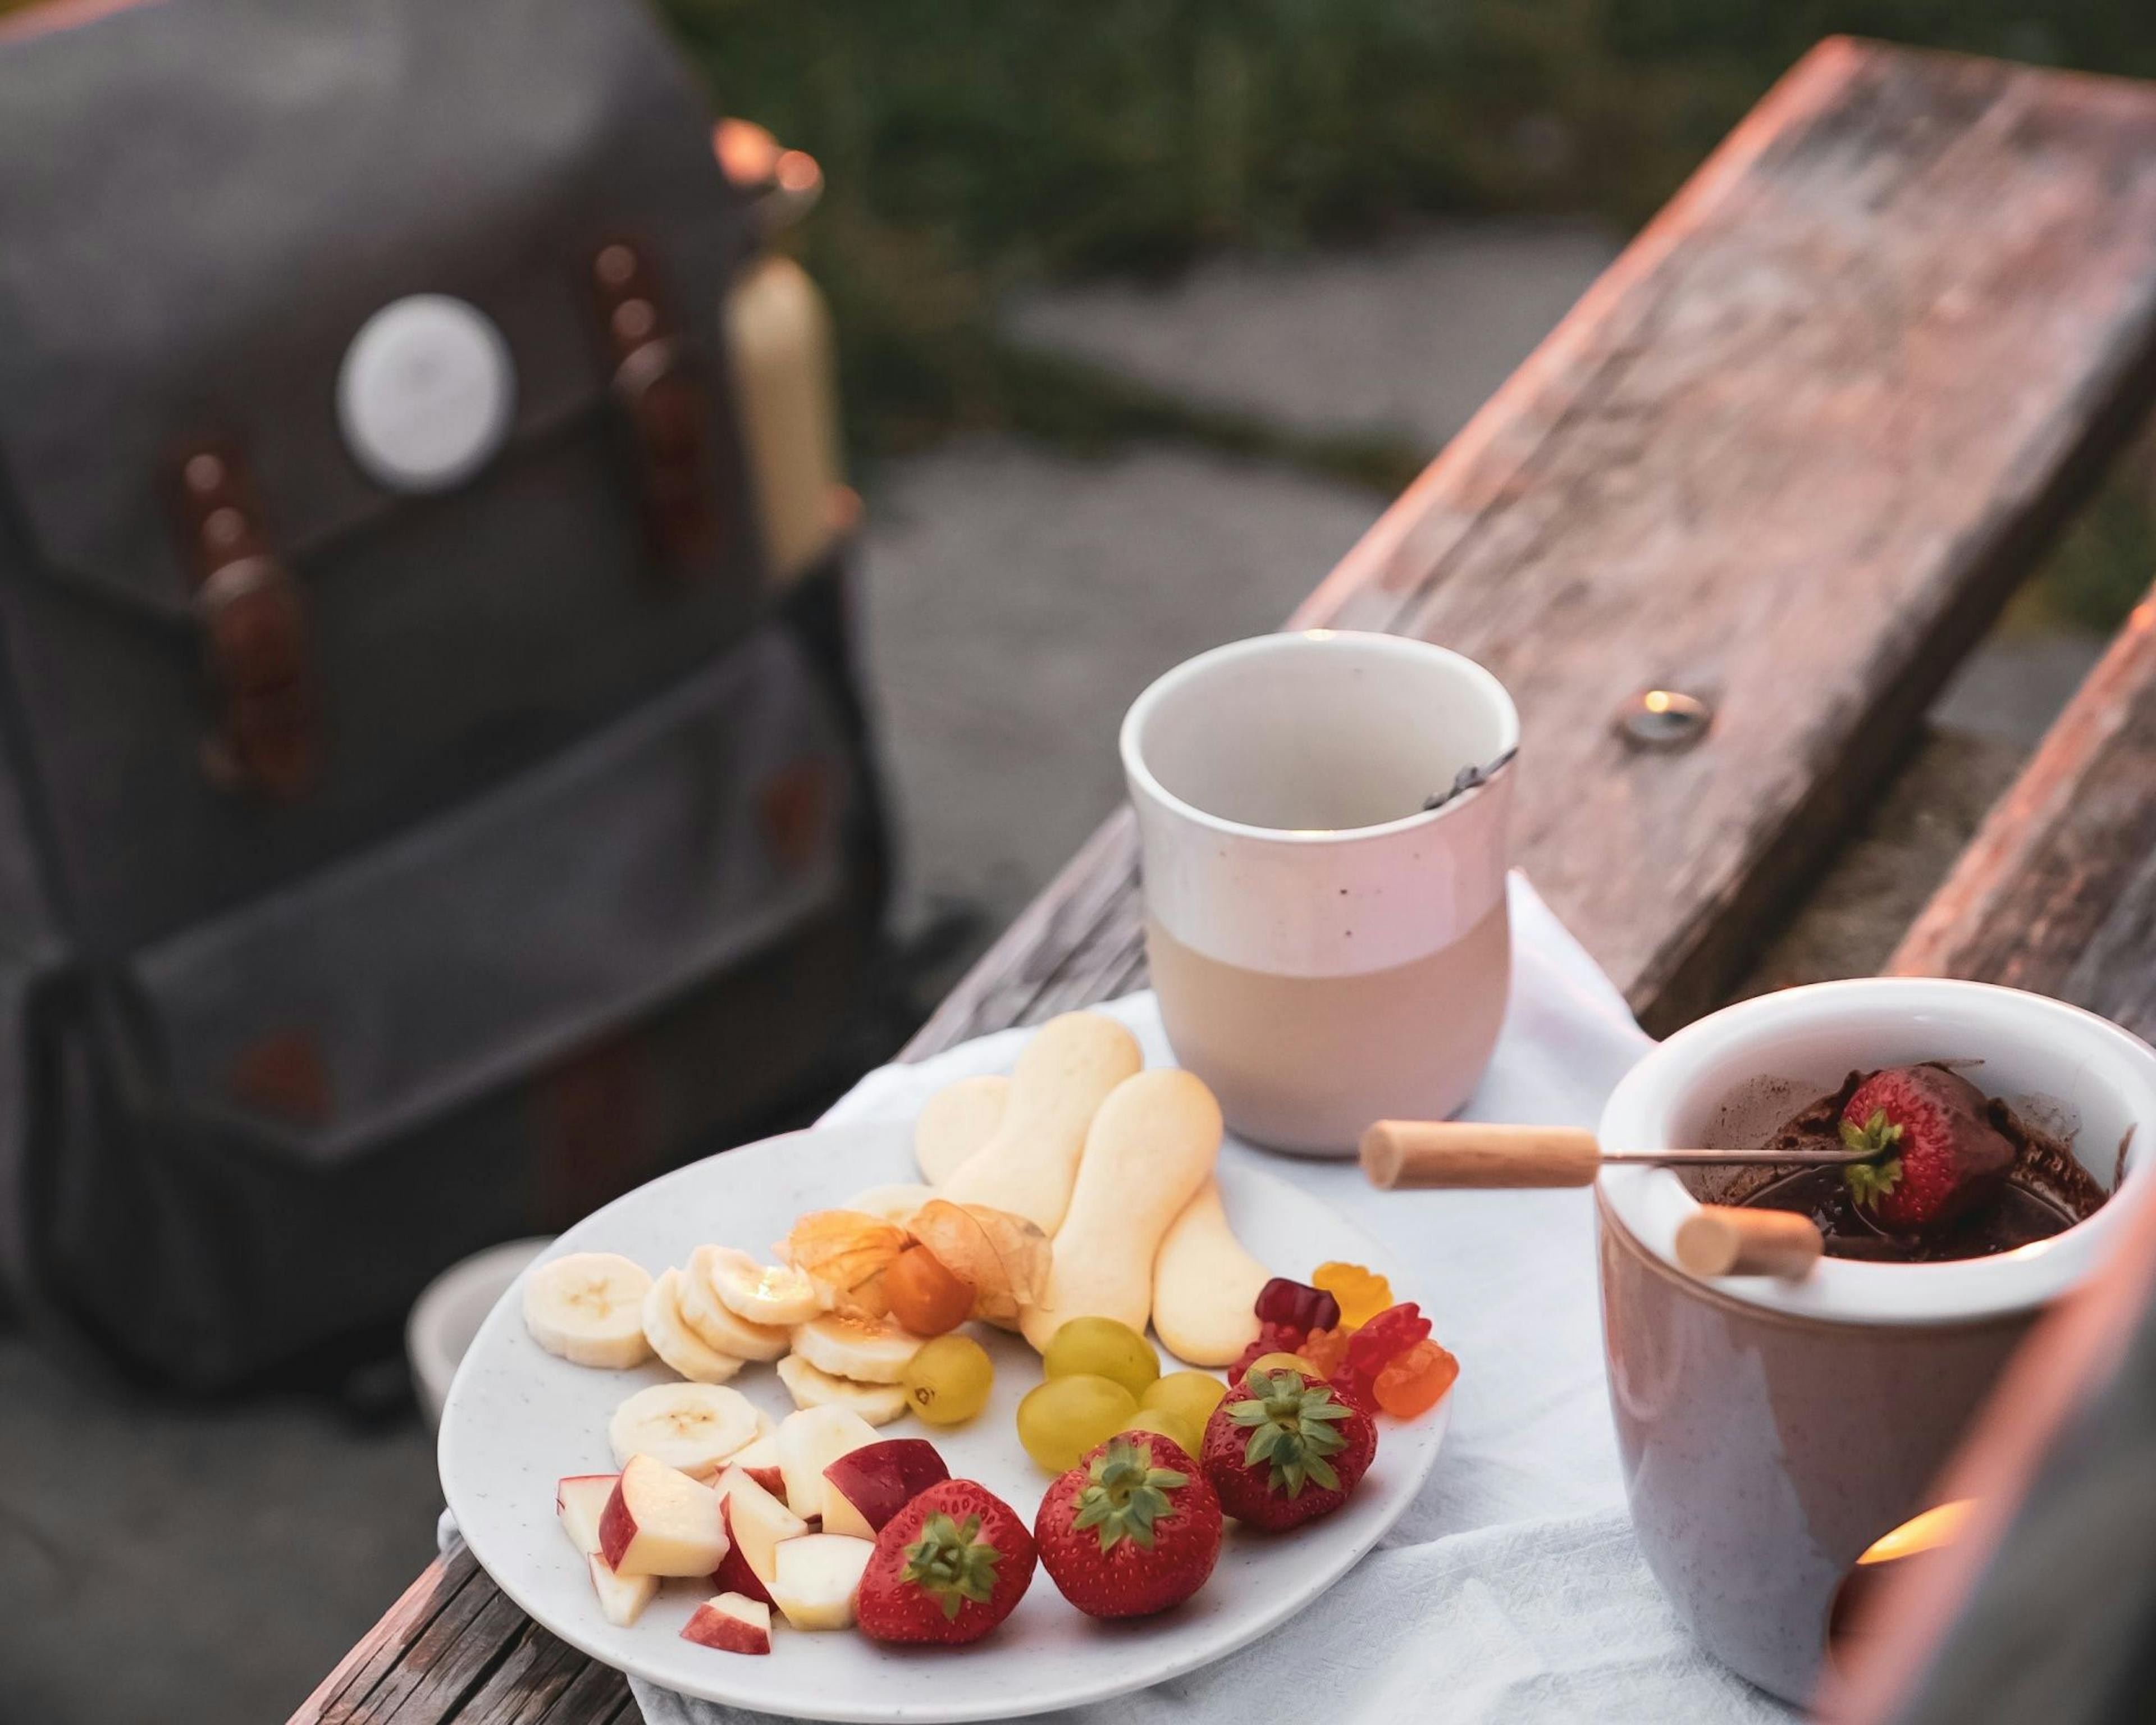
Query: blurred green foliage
[(972, 145)]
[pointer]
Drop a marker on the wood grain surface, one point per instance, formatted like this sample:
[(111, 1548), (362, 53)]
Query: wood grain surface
[(2057, 891), (1789, 454)]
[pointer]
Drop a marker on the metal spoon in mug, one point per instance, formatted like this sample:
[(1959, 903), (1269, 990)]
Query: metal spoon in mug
[(1718, 1239)]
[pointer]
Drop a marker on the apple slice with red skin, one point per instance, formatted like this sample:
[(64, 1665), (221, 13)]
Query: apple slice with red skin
[(736, 1574), (757, 1523), (731, 1624), (659, 1521), (580, 1501), (761, 1462), (865, 1487), (622, 1597)]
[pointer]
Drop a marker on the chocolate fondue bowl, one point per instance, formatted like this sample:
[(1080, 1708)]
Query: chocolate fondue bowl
[(1772, 1431)]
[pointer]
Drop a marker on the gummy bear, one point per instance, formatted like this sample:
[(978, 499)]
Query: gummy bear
[(1285, 1302), (1412, 1381), (1363, 1294), (1325, 1349), (1386, 1336), (1272, 1338)]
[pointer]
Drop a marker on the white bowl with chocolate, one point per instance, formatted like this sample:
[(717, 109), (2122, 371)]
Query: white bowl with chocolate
[(1772, 1429)]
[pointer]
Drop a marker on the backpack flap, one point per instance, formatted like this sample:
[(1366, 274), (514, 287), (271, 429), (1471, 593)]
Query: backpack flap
[(437, 288)]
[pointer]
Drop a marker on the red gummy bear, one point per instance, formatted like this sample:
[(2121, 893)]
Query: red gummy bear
[(1272, 1338), (1379, 1342)]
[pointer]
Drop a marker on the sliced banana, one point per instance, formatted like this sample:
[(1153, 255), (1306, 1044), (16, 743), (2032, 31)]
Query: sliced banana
[(879, 1404), (673, 1342), (868, 1351), (589, 1308), (709, 1318), (762, 1293), (891, 1204), (696, 1427)]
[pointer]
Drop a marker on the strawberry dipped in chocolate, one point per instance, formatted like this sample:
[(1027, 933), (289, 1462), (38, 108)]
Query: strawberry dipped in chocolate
[(1932, 1154)]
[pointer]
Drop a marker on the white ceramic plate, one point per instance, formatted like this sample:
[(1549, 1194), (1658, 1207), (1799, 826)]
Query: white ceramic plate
[(517, 1419)]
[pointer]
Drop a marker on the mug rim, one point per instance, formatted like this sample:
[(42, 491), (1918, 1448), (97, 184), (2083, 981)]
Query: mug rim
[(1652, 1202), (1141, 776)]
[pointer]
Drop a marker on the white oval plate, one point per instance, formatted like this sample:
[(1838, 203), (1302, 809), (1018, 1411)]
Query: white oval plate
[(518, 1418)]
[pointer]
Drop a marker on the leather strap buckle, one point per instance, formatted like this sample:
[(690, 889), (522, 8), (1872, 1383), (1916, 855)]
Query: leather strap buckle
[(255, 634), (665, 405)]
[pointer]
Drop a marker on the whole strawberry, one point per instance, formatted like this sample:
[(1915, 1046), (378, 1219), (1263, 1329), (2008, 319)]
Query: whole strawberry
[(946, 1568), (1934, 1153), (1287, 1451), (1132, 1529)]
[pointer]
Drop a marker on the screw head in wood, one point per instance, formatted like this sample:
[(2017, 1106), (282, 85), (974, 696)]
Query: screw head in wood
[(1664, 720)]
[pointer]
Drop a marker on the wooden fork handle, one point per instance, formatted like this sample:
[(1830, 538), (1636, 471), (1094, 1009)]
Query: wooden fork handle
[(1405, 1154), (1720, 1239)]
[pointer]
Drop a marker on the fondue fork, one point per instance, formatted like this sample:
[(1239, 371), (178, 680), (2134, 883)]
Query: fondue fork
[(1716, 1240), (1417, 1153)]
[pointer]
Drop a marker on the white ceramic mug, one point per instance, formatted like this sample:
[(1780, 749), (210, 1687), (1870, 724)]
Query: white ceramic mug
[(1327, 951)]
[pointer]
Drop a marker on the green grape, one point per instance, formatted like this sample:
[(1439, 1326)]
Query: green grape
[(948, 1378), (1170, 1423), (1192, 1394), (1062, 1417), (1105, 1348)]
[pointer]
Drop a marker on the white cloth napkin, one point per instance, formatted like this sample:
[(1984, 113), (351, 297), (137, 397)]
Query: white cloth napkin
[(1511, 1591)]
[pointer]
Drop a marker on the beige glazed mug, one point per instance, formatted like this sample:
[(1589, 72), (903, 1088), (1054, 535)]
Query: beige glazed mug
[(1771, 1431), (1327, 950)]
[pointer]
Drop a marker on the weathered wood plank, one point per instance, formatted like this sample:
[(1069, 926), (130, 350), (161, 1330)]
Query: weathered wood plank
[(342, 1694), (1790, 453), (2057, 891)]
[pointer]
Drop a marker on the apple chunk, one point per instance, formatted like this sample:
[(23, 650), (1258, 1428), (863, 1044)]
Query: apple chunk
[(580, 1501), (659, 1521), (622, 1597), (761, 1462), (865, 1487), (757, 1523), (731, 1623), (810, 1440), (818, 1577)]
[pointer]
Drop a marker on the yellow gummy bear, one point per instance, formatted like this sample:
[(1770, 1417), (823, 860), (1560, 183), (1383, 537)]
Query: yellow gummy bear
[(1362, 1294)]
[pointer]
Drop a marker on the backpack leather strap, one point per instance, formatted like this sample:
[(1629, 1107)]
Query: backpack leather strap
[(666, 406), (255, 633)]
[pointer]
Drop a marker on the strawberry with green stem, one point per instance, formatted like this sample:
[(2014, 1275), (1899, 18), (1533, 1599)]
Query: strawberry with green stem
[(1133, 1529), (946, 1568), (1930, 1151), (1290, 1450)]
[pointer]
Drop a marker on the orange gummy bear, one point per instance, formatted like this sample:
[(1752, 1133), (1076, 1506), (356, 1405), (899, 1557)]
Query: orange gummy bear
[(1362, 1294), (1413, 1380), (1325, 1349)]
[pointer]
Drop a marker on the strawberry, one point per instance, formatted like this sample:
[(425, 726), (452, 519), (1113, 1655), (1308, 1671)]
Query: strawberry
[(1933, 1153), (1132, 1529), (1290, 1450), (946, 1568)]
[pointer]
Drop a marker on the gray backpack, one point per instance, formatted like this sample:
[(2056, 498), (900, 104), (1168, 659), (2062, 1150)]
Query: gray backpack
[(421, 816)]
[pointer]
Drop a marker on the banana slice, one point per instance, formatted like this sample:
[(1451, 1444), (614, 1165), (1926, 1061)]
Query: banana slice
[(673, 1342), (696, 1427), (709, 1318), (891, 1204), (879, 1404), (762, 1293), (589, 1308), (869, 1352)]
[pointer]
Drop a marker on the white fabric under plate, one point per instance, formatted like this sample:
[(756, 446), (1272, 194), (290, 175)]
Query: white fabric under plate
[(1513, 1589)]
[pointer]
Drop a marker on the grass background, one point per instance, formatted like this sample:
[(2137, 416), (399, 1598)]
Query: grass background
[(971, 146)]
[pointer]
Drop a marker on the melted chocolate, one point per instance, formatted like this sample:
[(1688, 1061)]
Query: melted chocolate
[(2047, 1191)]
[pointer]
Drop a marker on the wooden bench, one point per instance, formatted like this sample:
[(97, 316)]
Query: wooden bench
[(1790, 455)]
